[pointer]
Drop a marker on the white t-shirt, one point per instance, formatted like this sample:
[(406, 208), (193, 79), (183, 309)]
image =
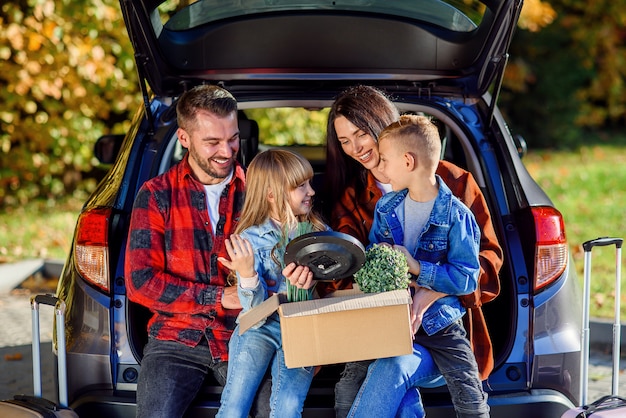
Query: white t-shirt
[(383, 187), (213, 193)]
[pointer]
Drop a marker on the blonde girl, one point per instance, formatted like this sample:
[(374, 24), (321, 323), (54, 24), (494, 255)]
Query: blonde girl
[(277, 208)]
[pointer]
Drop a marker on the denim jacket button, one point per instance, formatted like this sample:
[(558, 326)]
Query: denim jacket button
[(431, 246)]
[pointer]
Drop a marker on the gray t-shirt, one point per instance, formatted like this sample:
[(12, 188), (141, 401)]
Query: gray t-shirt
[(416, 216)]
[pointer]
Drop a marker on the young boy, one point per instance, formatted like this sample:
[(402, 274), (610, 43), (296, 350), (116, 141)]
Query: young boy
[(440, 239)]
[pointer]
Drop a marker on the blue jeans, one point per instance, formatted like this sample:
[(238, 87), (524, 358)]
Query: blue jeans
[(411, 406), (171, 375), (250, 355), (389, 382)]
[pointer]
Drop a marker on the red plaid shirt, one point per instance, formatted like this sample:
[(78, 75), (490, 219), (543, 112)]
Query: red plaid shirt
[(354, 215), (171, 258)]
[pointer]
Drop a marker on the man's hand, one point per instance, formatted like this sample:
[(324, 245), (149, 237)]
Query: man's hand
[(230, 300)]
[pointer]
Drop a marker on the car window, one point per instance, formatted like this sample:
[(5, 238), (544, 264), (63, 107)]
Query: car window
[(303, 130), (456, 15)]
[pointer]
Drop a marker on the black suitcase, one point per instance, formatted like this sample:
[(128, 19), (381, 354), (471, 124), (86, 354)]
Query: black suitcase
[(26, 406)]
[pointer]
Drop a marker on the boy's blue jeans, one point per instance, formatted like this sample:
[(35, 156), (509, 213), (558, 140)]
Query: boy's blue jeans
[(389, 380), (171, 375), (250, 355)]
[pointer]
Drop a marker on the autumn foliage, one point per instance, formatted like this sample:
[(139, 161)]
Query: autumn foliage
[(67, 76)]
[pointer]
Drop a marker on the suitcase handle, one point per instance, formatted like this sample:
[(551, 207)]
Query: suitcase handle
[(45, 299), (59, 310), (602, 242), (588, 246)]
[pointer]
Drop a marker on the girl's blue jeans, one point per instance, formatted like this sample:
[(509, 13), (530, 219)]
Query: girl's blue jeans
[(250, 355)]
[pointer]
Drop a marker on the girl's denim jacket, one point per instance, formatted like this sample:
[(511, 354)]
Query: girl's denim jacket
[(263, 239), (447, 250)]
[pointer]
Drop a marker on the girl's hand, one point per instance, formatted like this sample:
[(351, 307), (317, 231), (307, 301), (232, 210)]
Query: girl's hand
[(241, 256), (414, 265), (299, 276), (422, 300)]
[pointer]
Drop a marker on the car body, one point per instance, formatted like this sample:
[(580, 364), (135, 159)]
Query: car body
[(440, 58)]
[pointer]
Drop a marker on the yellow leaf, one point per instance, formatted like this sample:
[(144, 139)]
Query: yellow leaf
[(48, 31), (536, 15)]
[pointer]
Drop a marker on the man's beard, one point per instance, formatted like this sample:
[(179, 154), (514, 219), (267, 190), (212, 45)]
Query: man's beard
[(206, 167)]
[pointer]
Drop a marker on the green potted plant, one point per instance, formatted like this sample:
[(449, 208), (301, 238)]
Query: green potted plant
[(385, 269)]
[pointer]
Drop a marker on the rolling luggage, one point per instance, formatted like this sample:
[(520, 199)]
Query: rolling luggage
[(26, 406), (610, 405)]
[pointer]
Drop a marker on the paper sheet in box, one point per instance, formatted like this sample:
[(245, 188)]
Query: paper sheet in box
[(346, 326)]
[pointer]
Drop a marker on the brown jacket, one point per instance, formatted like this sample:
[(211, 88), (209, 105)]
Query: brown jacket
[(354, 215)]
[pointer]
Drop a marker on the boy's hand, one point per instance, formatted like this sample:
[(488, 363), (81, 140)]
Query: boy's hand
[(422, 300), (299, 276), (241, 256), (414, 265)]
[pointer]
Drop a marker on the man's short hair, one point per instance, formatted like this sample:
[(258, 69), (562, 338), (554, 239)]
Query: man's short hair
[(210, 98)]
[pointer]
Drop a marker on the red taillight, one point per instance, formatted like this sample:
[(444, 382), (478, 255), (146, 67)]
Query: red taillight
[(551, 247), (91, 248)]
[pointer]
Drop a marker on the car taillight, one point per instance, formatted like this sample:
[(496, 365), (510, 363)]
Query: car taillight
[(91, 249), (551, 247)]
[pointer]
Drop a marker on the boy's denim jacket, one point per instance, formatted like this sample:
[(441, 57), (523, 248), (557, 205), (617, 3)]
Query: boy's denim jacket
[(263, 239), (447, 250)]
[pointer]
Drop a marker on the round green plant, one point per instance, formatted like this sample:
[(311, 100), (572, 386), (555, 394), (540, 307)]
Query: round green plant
[(385, 269)]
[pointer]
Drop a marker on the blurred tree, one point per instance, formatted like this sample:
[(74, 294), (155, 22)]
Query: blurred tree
[(568, 79), (66, 77), (598, 31)]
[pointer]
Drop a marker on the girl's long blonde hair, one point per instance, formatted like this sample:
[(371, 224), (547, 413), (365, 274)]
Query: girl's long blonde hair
[(280, 172)]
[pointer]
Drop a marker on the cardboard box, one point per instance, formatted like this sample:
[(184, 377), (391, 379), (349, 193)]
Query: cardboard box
[(345, 326)]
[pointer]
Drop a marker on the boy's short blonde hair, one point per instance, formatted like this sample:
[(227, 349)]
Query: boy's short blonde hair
[(417, 134)]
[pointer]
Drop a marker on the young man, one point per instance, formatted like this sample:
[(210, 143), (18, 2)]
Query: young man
[(440, 239), (179, 223)]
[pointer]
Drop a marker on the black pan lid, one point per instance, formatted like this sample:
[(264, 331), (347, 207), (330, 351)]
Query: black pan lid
[(330, 255)]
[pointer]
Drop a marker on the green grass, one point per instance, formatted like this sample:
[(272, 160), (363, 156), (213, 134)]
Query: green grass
[(39, 229), (588, 186)]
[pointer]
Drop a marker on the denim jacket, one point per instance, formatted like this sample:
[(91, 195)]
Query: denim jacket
[(447, 250), (263, 239)]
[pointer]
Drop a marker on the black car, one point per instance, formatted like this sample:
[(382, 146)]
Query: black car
[(444, 59)]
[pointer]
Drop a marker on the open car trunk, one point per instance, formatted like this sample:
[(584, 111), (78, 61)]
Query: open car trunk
[(500, 314)]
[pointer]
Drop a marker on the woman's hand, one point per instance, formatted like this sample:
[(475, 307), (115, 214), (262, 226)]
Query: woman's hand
[(241, 256), (422, 300), (299, 276)]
